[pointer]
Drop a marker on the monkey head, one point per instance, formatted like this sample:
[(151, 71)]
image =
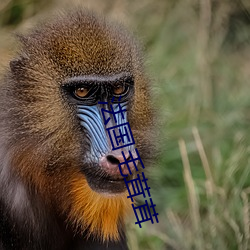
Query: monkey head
[(67, 72)]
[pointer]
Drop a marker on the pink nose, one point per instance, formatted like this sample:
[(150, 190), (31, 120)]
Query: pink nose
[(110, 163)]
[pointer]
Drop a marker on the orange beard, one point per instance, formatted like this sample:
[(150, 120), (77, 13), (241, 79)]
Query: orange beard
[(96, 212)]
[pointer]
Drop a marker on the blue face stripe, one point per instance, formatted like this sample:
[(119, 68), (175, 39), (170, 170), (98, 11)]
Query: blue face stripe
[(91, 119), (95, 127)]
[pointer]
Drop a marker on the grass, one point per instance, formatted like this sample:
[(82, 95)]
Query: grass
[(198, 55), (202, 179)]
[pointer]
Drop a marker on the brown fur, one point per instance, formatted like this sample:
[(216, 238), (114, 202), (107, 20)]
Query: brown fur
[(40, 132)]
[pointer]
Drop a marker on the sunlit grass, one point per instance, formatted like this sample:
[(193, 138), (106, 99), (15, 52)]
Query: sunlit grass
[(202, 179)]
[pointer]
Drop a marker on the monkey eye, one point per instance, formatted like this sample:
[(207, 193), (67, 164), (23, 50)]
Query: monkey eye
[(118, 89), (81, 92)]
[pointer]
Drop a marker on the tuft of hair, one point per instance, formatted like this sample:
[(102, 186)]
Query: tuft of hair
[(96, 214)]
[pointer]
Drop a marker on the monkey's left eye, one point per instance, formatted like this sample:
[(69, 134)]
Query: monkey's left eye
[(81, 92), (119, 89)]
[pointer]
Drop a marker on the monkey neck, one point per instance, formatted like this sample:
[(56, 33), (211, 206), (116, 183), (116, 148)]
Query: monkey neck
[(33, 226), (27, 222)]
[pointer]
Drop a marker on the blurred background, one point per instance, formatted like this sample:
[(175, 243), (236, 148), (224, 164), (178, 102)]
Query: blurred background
[(198, 56)]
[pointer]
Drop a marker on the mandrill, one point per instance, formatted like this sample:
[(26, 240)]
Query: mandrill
[(60, 184)]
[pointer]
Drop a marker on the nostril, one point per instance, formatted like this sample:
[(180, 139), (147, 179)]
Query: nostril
[(113, 160)]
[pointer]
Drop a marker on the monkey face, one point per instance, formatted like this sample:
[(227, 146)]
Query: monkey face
[(90, 95)]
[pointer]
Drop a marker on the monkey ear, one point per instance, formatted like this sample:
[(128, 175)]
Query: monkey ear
[(18, 63), (15, 64)]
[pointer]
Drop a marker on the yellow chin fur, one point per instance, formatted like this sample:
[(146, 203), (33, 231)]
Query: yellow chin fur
[(99, 213)]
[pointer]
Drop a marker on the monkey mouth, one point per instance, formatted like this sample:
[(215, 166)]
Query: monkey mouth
[(102, 182)]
